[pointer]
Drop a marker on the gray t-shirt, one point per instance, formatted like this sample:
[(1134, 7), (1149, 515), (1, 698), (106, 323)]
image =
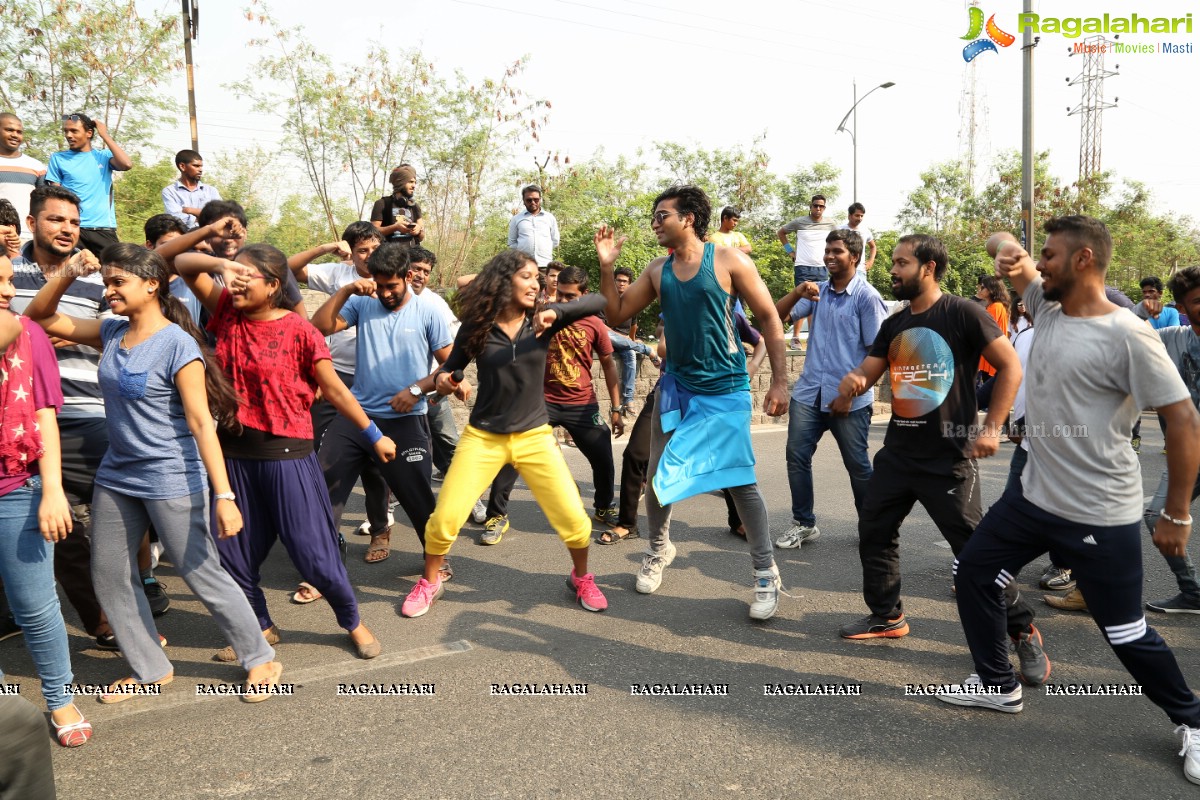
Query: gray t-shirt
[(1183, 347), (151, 451), (1088, 379), (810, 240)]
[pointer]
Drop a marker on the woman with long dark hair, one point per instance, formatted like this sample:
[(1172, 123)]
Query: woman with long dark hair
[(276, 360), (507, 338), (162, 392)]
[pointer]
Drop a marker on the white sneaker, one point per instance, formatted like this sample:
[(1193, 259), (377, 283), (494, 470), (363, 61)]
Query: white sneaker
[(767, 586), (1190, 752), (653, 563), (365, 528), (479, 512), (797, 535), (972, 692)]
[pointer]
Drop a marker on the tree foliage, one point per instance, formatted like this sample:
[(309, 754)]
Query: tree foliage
[(99, 57)]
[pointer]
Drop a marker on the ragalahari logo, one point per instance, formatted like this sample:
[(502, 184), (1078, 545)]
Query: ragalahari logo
[(995, 36)]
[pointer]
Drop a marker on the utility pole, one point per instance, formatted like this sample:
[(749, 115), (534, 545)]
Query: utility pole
[(1091, 105), (1027, 152), (191, 30)]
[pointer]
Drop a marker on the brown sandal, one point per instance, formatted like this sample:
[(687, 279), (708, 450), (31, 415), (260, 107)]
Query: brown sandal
[(379, 548)]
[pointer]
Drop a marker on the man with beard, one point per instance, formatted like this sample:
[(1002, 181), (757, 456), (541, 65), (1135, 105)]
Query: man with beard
[(1092, 369), (397, 337), (931, 351), (54, 221), (700, 426), (396, 215)]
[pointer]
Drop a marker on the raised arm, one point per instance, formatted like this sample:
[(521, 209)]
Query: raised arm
[(43, 309), (1012, 261), (807, 290), (188, 241), (120, 161), (327, 319), (639, 295), (197, 270), (298, 263)]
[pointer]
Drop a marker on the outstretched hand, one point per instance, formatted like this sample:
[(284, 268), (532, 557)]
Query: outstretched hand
[(608, 246)]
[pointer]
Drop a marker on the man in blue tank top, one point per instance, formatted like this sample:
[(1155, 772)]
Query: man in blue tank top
[(700, 438)]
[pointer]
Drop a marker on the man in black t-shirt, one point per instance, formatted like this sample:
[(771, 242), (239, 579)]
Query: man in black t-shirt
[(931, 351), (396, 215)]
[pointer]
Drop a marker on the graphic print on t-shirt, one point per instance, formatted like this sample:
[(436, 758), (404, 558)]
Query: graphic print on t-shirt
[(922, 368), (563, 358)]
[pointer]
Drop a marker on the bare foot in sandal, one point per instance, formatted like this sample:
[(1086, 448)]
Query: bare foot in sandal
[(306, 593), (616, 534), (379, 548)]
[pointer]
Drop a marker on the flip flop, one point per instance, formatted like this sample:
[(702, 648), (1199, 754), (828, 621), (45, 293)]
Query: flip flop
[(612, 537), (380, 543), (110, 696), (272, 680), (307, 593)]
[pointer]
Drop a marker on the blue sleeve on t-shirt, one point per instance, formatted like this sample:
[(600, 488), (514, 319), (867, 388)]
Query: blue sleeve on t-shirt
[(350, 309), (437, 332)]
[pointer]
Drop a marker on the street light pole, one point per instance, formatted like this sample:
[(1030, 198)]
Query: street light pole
[(191, 29), (854, 125)]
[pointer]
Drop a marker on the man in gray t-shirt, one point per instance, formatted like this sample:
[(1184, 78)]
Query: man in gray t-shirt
[(1091, 369), (810, 242)]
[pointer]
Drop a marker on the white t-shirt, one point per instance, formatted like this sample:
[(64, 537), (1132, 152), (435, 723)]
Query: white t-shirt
[(1088, 379), (810, 240), (437, 301), (18, 178), (328, 278), (867, 236)]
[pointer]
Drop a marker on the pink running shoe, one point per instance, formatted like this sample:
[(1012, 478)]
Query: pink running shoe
[(587, 592), (421, 598)]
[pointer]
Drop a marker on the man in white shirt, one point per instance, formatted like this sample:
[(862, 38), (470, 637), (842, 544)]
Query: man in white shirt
[(810, 242), (19, 174), (534, 230)]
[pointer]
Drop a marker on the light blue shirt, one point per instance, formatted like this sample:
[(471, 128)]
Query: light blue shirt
[(842, 326), (393, 350), (535, 235), (176, 196), (89, 175)]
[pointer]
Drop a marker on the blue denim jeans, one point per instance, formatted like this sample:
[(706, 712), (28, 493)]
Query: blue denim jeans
[(626, 350), (27, 567), (806, 425), (1181, 566), (814, 274)]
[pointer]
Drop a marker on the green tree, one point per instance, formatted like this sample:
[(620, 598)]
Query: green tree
[(138, 194), (797, 190), (734, 176), (101, 57)]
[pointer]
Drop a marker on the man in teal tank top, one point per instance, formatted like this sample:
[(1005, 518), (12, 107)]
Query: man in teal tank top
[(700, 438)]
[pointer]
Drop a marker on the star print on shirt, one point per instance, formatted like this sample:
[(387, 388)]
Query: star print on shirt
[(16, 361), (20, 393)]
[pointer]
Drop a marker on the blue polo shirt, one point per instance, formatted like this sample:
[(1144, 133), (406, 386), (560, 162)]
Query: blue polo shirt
[(89, 175), (842, 327)]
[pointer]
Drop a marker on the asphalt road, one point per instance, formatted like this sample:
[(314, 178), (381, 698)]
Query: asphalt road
[(508, 618)]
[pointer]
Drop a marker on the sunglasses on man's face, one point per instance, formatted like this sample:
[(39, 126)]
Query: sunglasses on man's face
[(72, 118)]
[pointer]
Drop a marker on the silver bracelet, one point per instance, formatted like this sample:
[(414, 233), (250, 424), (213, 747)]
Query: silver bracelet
[(225, 496), (1181, 522)]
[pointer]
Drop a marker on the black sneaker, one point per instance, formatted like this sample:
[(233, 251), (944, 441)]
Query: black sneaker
[(156, 595), (1034, 666), (873, 627), (1057, 579), (9, 627), (1179, 604), (107, 641)]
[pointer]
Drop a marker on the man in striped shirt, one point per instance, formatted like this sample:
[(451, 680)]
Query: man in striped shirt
[(19, 174)]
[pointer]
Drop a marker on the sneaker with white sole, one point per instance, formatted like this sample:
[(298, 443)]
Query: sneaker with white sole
[(1179, 604), (1057, 579), (972, 692), (653, 563), (421, 598), (587, 592), (479, 512), (1190, 752), (767, 586), (797, 535)]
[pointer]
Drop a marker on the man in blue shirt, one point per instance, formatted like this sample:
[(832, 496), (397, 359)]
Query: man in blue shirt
[(88, 173), (842, 325), (184, 198), (397, 337), (1152, 309), (534, 230)]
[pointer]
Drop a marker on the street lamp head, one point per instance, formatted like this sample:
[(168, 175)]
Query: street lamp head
[(887, 85)]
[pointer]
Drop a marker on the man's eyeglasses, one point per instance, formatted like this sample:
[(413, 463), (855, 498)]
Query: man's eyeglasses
[(661, 216), (818, 205), (533, 199)]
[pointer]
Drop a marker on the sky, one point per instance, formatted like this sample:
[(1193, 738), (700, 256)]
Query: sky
[(623, 74)]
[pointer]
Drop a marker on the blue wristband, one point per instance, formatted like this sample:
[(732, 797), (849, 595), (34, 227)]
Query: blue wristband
[(372, 433), (787, 248)]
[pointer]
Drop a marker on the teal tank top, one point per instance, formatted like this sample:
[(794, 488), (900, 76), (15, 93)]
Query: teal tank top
[(703, 349)]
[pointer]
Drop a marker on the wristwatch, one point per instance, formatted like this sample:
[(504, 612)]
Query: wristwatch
[(415, 390)]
